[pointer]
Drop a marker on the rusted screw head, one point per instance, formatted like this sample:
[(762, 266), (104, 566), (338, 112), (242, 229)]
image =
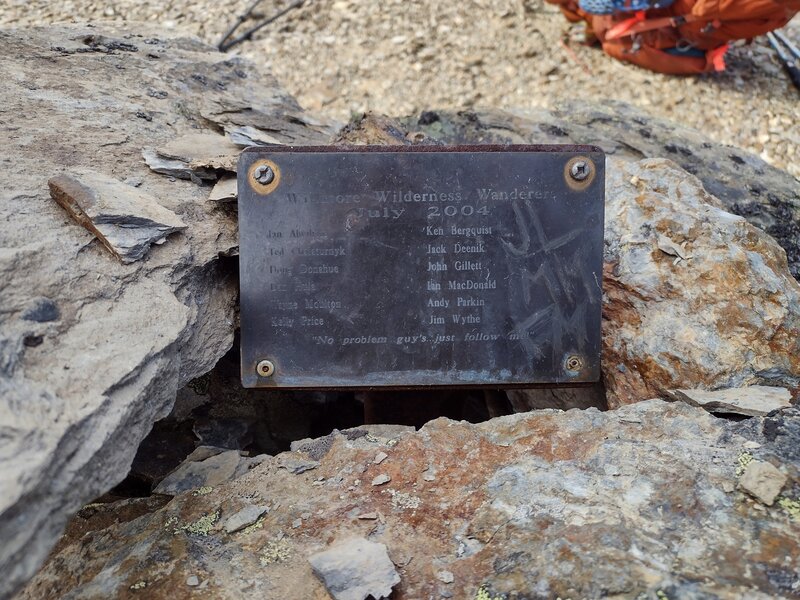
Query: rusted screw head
[(265, 368), (574, 363), (579, 170), (264, 174)]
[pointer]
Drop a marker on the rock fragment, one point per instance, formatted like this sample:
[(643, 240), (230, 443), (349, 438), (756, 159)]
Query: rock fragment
[(296, 464), (244, 518), (445, 577), (192, 475), (225, 190), (762, 481), (380, 457), (126, 220), (381, 479), (250, 136), (355, 569), (753, 401)]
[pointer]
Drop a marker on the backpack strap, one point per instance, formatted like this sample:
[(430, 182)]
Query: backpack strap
[(640, 23)]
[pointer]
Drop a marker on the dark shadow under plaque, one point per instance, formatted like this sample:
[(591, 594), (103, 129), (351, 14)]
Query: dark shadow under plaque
[(366, 267)]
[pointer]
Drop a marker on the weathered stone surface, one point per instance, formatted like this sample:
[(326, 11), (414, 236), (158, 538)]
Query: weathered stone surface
[(355, 569), (85, 372), (762, 481), (576, 504), (753, 401), (727, 317), (209, 472), (126, 220)]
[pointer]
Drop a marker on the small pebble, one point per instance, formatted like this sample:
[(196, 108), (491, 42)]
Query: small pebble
[(192, 581), (381, 479), (380, 457), (445, 577)]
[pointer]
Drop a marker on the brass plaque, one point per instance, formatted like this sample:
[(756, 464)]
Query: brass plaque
[(402, 267)]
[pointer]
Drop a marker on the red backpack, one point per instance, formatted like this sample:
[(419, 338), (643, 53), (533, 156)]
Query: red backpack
[(656, 39)]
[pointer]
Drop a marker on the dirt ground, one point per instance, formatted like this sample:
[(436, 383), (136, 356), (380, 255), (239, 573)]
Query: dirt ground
[(340, 57)]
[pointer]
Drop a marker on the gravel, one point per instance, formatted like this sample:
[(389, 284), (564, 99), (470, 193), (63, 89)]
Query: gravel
[(341, 57)]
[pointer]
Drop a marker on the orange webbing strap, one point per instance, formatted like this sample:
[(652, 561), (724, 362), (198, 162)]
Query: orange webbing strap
[(716, 58), (640, 23)]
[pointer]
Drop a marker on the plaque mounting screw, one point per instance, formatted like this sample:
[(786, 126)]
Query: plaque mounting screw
[(579, 170), (574, 363), (264, 175), (265, 368)]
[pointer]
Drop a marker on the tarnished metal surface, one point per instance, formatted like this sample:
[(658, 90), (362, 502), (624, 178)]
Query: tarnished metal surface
[(422, 266)]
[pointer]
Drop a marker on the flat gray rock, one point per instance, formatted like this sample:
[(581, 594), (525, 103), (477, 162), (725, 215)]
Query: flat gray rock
[(191, 475), (124, 219), (355, 569), (753, 401), (244, 518)]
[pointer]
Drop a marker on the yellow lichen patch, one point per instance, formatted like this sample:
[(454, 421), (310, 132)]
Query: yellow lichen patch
[(483, 594), (745, 458), (202, 491), (202, 526), (257, 525), (139, 585), (275, 551), (790, 507)]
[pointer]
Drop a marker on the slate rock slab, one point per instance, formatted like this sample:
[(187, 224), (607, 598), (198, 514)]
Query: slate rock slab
[(126, 220), (753, 401)]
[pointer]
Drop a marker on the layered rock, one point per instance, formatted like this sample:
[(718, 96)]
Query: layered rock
[(652, 500), (92, 351)]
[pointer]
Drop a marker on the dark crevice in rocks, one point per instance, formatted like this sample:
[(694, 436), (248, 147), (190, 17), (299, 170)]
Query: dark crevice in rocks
[(216, 411)]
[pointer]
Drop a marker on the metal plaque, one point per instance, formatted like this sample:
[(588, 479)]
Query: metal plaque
[(402, 267)]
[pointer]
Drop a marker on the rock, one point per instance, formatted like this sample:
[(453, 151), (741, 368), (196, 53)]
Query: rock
[(201, 154), (753, 401), (355, 569), (379, 458), (576, 504), (381, 479), (206, 473), (295, 463), (445, 577), (78, 393), (126, 220), (250, 136), (664, 331), (225, 190), (244, 518), (192, 581), (762, 481), (42, 310)]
